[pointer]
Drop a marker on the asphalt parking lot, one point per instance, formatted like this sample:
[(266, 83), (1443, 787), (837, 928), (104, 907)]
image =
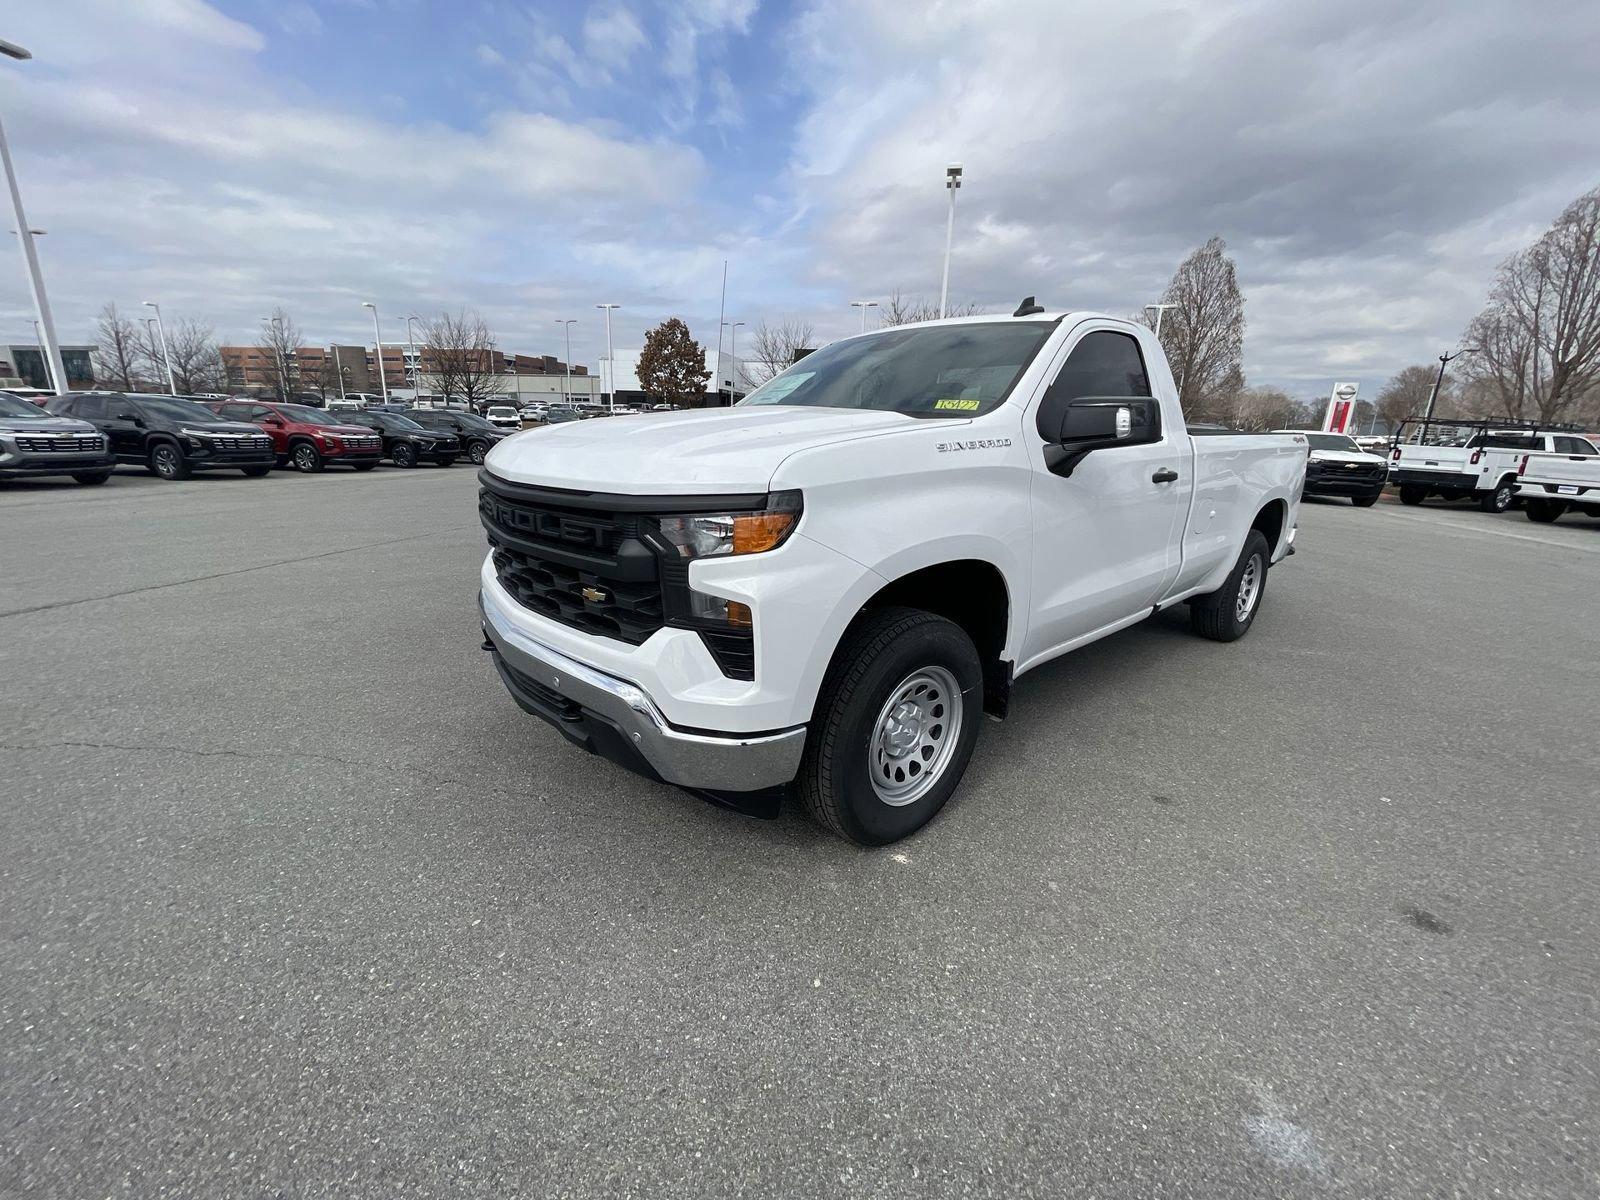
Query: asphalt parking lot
[(296, 902)]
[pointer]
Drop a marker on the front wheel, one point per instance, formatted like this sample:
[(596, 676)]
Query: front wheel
[(895, 725), (168, 462), (1226, 614), (306, 457), (1499, 500), (405, 455), (91, 478), (477, 451), (1544, 511), (1412, 493), (1365, 501)]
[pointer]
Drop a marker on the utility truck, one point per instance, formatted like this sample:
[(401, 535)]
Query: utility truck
[(1551, 484), (823, 590), (1470, 459)]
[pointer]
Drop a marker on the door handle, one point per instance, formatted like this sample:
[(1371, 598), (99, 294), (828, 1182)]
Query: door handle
[(1165, 475)]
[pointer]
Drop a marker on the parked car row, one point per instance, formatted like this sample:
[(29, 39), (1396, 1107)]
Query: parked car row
[(86, 435)]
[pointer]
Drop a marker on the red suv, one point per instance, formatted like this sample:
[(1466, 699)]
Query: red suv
[(307, 438)]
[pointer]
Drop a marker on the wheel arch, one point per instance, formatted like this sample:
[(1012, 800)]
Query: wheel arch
[(1272, 520)]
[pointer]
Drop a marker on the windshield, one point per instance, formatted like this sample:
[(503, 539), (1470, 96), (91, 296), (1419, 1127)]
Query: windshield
[(10, 406), (174, 409), (306, 415), (927, 371), (501, 410), (1333, 441), (394, 422), (473, 421)]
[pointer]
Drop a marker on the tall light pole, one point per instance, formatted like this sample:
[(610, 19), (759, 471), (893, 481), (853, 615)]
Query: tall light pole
[(863, 305), (41, 303), (166, 358), (1161, 311), (1438, 380), (338, 369), (733, 353), (952, 183), (567, 326), (611, 358), (416, 378), (377, 345), (49, 379)]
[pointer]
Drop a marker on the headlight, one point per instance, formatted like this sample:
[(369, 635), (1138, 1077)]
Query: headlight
[(196, 433), (712, 535), (328, 439)]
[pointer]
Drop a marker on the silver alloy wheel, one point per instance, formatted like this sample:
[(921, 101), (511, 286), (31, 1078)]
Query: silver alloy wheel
[(914, 737), (305, 457), (1249, 588), (475, 452), (166, 462), (1502, 497)]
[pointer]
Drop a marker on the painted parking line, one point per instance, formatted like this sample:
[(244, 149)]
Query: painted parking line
[(1487, 529)]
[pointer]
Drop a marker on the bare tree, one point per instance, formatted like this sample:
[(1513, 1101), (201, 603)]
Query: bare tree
[(1406, 395), (459, 352), (899, 309), (281, 341), (772, 347), (1537, 342), (196, 360), (1262, 408), (1203, 333), (118, 353)]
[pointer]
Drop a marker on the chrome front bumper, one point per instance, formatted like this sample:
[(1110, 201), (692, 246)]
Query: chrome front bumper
[(692, 759)]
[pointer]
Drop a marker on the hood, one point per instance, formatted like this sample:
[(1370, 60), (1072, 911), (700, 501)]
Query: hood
[(348, 430), (44, 423), (681, 453), (1345, 456), (220, 426)]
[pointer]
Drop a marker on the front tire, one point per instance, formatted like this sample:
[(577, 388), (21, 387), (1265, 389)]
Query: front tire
[(1544, 511), (405, 455), (895, 726), (255, 472), (1226, 614), (306, 458), (1412, 493), (1365, 501), (167, 462), (1499, 500), (91, 478), (477, 452)]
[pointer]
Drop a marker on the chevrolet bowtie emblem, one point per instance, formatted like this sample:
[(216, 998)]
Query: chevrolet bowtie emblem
[(593, 595)]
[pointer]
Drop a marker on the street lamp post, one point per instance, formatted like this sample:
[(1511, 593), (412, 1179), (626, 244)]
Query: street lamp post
[(1438, 380), (377, 345), (733, 353), (1161, 311), (41, 303), (611, 359), (49, 378), (863, 305), (952, 183), (416, 377), (166, 357), (567, 325), (338, 369)]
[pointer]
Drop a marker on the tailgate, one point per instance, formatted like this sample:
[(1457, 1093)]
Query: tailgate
[(1453, 460), (1560, 474)]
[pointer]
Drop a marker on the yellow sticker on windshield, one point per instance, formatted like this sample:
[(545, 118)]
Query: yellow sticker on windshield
[(956, 405)]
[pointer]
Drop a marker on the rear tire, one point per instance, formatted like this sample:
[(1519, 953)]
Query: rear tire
[(1499, 500), (1411, 493), (1365, 501), (895, 725), (1543, 511), (1226, 614), (91, 478)]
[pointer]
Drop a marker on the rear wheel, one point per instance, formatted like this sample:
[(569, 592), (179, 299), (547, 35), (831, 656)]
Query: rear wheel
[(1544, 511), (1499, 500), (168, 462), (1365, 501), (895, 726), (90, 478), (306, 457), (1226, 614), (405, 454), (1412, 493)]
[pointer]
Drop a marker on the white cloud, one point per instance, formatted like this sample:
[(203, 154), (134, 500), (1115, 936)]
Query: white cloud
[(611, 37)]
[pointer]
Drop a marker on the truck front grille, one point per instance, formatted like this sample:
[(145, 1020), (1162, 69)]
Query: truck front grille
[(584, 567), (76, 444)]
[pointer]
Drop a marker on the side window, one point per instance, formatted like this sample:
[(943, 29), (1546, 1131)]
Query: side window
[(231, 412), (1104, 363), (89, 408), (1574, 445), (258, 413)]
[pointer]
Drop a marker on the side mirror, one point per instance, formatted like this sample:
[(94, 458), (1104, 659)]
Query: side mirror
[(1077, 426), (273, 422)]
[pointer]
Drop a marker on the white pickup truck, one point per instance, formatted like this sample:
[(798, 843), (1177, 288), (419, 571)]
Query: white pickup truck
[(1469, 459), (1550, 484), (827, 586)]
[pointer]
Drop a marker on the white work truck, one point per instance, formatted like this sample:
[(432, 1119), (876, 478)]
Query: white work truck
[(1469, 459), (1550, 484), (824, 588)]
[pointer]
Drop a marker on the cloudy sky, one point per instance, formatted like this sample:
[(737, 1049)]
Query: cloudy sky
[(1368, 162)]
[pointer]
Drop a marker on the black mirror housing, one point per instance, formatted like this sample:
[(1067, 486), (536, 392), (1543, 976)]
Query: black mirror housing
[(1076, 426)]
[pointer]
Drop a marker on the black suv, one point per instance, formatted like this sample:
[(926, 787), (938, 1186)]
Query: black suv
[(477, 436), (170, 437), (32, 442), (405, 443)]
